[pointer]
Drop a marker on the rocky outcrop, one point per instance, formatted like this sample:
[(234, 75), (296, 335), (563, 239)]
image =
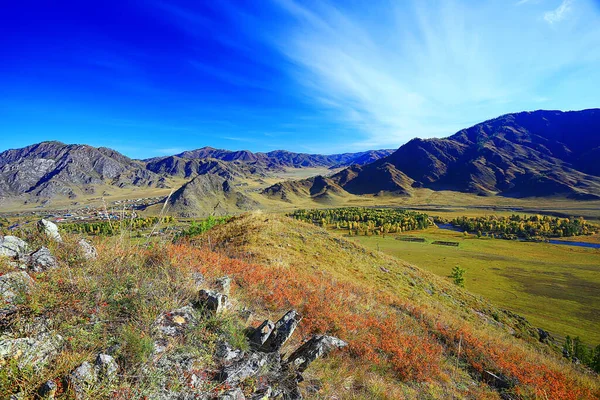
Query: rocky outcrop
[(41, 260), (317, 347), (49, 229), (13, 285), (260, 335), (84, 377), (12, 246), (283, 330), (30, 351)]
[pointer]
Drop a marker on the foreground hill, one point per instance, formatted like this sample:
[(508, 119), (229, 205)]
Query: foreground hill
[(529, 154), (209, 194), (136, 322)]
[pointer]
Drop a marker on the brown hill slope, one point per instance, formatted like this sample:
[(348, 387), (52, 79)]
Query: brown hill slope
[(207, 195), (410, 334)]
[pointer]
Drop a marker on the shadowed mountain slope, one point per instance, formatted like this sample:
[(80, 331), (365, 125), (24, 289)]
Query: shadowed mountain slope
[(528, 154)]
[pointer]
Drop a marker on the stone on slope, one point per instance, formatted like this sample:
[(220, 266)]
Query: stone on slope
[(88, 251), (13, 285), (223, 285), (318, 346), (87, 375), (284, 328), (233, 394), (12, 246), (226, 354), (81, 379), (48, 390), (50, 229), (259, 336), (41, 260), (212, 301), (172, 324), (30, 351), (106, 367), (248, 366)]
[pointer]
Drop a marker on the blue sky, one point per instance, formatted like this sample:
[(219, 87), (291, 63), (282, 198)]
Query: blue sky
[(156, 77)]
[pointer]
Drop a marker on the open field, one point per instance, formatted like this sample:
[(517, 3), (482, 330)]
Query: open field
[(554, 287)]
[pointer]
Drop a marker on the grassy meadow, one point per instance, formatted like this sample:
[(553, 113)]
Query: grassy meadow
[(555, 287)]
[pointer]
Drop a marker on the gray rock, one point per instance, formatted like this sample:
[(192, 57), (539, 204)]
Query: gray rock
[(198, 280), (223, 285), (13, 285), (88, 251), (41, 260), (318, 346), (212, 301), (81, 379), (47, 391), (247, 367), (50, 229), (106, 367), (225, 353), (233, 394), (30, 351), (260, 335), (12, 246), (172, 324), (284, 328)]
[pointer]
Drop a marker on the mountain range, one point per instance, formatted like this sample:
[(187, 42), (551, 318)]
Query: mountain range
[(527, 154)]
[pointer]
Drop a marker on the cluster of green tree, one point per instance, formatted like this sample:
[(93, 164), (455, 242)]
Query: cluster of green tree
[(528, 227), (365, 221), (199, 227), (577, 351), (114, 227)]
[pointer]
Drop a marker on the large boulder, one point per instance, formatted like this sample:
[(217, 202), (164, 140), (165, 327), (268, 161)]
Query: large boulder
[(283, 330), (88, 251), (316, 347), (13, 285), (41, 260), (30, 351), (12, 246), (50, 229)]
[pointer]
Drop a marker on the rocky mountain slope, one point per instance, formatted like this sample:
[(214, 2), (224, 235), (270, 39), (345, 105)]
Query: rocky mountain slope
[(529, 154), (209, 194), (52, 169)]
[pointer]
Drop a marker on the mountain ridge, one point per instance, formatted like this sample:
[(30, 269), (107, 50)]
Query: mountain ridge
[(527, 154)]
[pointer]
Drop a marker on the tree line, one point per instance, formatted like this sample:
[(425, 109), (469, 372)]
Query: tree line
[(365, 221), (108, 228), (524, 227)]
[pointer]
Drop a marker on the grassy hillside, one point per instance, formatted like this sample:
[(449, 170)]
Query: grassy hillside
[(410, 334), (555, 287), (414, 321)]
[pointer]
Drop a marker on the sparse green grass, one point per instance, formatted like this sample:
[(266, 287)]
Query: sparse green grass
[(554, 287)]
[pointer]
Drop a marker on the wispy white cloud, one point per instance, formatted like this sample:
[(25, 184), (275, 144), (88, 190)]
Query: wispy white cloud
[(559, 13)]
